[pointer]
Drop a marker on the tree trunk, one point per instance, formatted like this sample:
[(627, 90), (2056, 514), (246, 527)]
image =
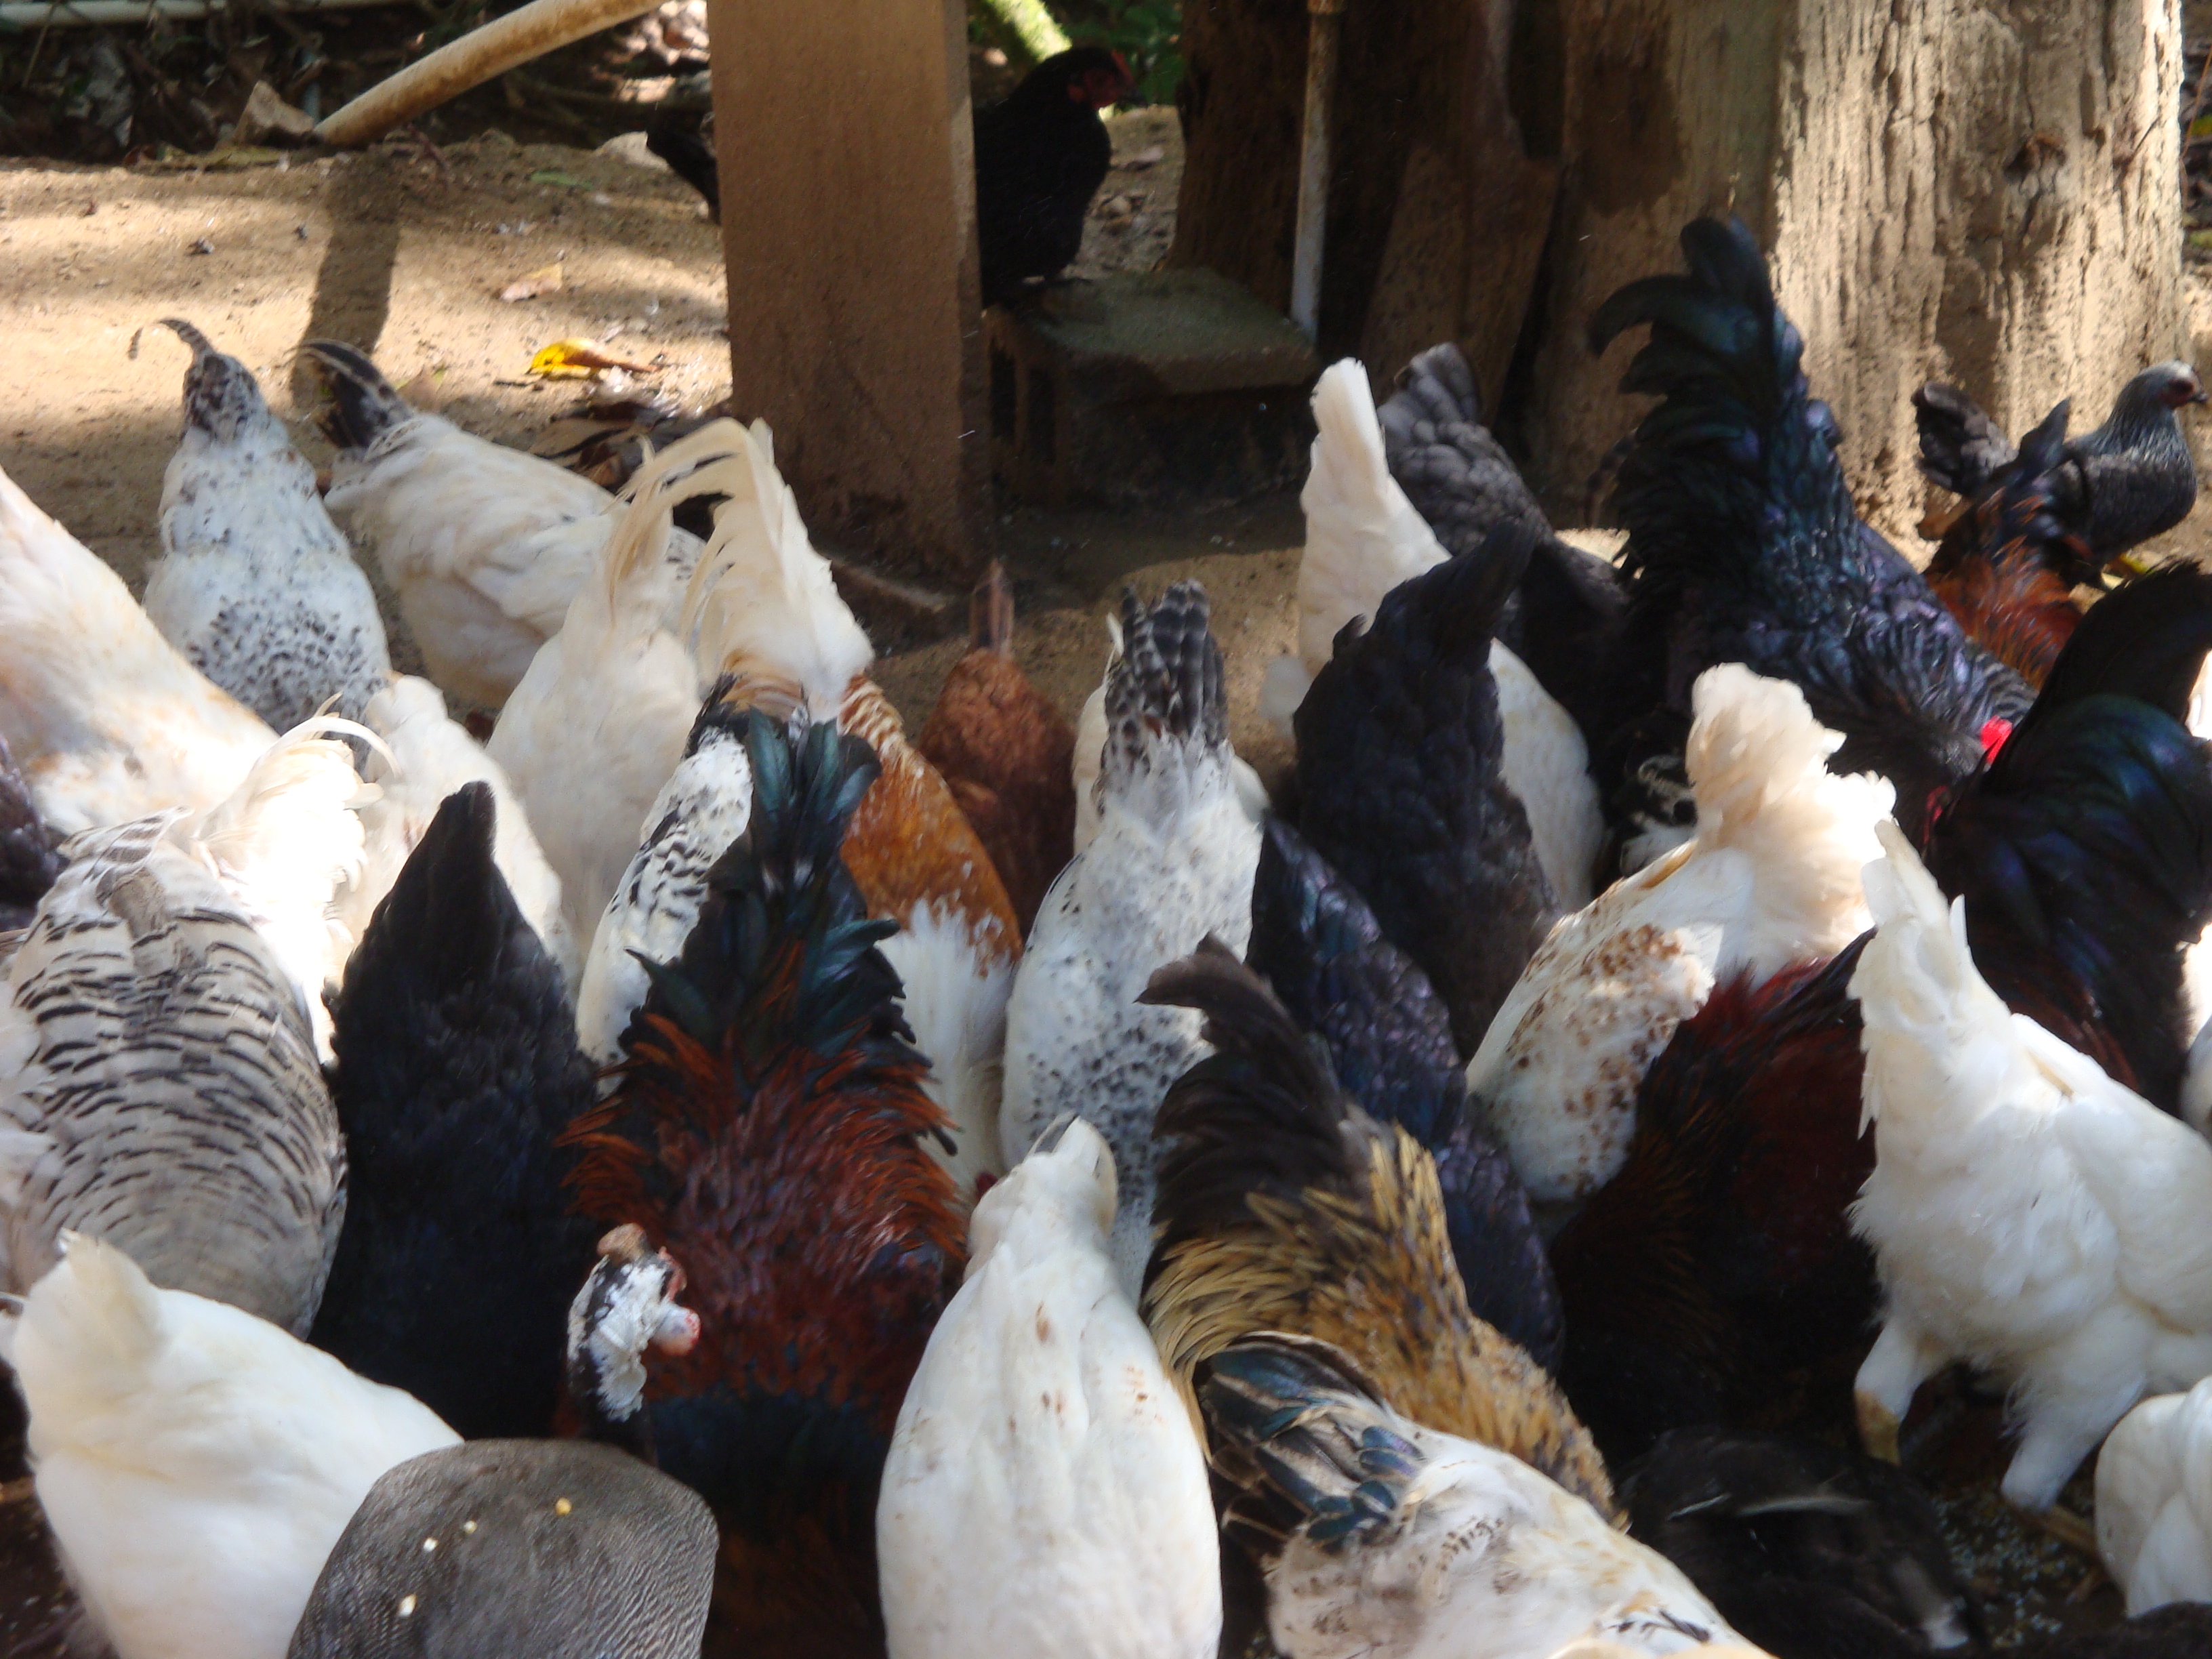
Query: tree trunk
[(1979, 191)]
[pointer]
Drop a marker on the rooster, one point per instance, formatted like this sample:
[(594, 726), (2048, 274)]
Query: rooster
[(1319, 947), (766, 1127), (1744, 546), (108, 722), (1401, 788), (1771, 880), (1041, 154), (255, 585), (457, 1067), (1383, 1536), (2132, 479), (1363, 538), (2007, 566), (1172, 863), (484, 546), (1006, 753), (1284, 1206), (2029, 1215)]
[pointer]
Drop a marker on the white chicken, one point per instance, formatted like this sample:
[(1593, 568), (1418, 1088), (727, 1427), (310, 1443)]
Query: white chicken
[(195, 1462), (1173, 861), (597, 723), (485, 547), (255, 585), (1363, 538), (431, 756), (1406, 1543), (106, 720), (2027, 1214), (1041, 1434), (2155, 1501), (1771, 879), (158, 1082)]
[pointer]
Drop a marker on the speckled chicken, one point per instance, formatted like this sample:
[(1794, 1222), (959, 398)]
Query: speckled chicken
[(1172, 863), (1384, 1538), (1006, 752), (1319, 949), (2131, 478), (1401, 786), (1284, 1207), (457, 1067), (255, 585)]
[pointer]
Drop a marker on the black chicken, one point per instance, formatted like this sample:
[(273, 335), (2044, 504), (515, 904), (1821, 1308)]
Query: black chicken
[(1389, 1039), (684, 137), (2130, 479), (1563, 618), (1041, 154), (1744, 546), (457, 1067), (1401, 786)]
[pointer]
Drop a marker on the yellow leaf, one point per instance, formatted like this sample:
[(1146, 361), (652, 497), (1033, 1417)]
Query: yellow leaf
[(570, 360)]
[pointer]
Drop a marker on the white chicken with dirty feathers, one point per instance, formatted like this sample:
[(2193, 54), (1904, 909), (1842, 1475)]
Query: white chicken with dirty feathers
[(2029, 1215), (255, 585), (1173, 861), (1041, 1434), (106, 720), (703, 807), (159, 1086), (1363, 538), (196, 1464), (598, 724), (485, 547), (1771, 880), (430, 755), (2153, 1503), (1407, 1543)]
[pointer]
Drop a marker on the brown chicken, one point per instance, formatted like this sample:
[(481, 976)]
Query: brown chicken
[(1006, 753), (1284, 1206)]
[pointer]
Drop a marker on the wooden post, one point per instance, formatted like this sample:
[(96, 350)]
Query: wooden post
[(847, 183)]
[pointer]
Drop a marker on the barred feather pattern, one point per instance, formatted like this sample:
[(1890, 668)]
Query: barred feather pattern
[(159, 1087)]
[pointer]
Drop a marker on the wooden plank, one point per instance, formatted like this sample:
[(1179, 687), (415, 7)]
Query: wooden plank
[(848, 183)]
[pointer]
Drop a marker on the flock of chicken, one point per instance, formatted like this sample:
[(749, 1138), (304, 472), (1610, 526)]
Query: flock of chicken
[(704, 1162)]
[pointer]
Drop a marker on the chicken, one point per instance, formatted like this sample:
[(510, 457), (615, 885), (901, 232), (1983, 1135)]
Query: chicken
[(158, 1082), (457, 1067), (2155, 1501), (431, 756), (1721, 1259), (1744, 546), (1041, 154), (1172, 863), (1284, 1206), (485, 547), (1812, 1551), (2007, 566), (255, 585), (1318, 946), (685, 138), (1565, 617), (2131, 478), (556, 1549), (765, 1127), (2029, 1215), (1401, 786), (1006, 752), (596, 726), (107, 720), (30, 856), (1041, 1439), (1771, 880), (195, 1462), (1363, 538), (1386, 1539), (2084, 849)]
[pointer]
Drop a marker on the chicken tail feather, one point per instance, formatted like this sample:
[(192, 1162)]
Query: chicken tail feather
[(364, 406)]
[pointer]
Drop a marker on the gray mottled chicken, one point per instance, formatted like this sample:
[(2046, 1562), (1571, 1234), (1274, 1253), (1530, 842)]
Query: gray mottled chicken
[(255, 585)]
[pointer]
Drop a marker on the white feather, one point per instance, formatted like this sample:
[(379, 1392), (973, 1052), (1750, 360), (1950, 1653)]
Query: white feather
[(2154, 1502), (955, 999)]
